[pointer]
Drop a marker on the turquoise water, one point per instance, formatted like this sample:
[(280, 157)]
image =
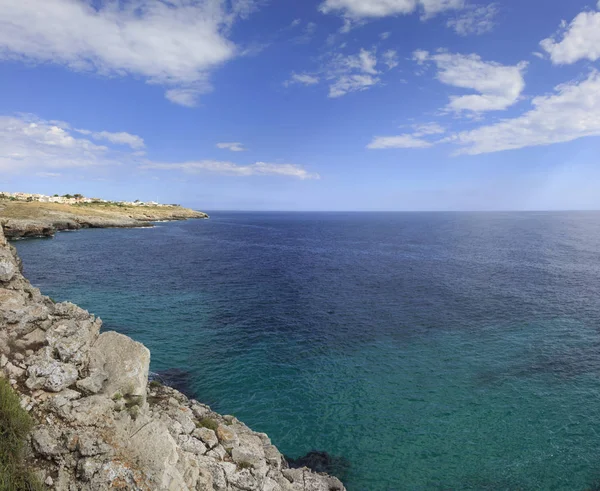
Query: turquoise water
[(431, 351)]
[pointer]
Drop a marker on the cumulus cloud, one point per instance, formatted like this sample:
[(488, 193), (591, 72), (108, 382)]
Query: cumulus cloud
[(31, 145), (476, 19), (399, 141), (232, 146), (571, 112), (577, 41), (362, 9), (27, 143), (232, 169), (176, 44), (499, 86)]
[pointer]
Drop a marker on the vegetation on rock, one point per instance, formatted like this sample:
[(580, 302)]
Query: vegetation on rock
[(15, 425)]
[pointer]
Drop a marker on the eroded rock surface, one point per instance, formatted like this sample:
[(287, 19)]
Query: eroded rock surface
[(100, 425)]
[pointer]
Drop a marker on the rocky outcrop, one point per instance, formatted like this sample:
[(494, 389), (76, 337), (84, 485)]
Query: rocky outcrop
[(101, 425), (21, 220)]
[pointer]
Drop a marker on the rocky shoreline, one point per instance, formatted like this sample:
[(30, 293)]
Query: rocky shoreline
[(100, 424), (22, 220)]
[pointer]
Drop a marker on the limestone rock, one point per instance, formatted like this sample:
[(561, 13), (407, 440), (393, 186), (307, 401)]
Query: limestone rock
[(249, 451), (125, 361), (92, 384), (208, 436), (51, 375), (227, 437), (46, 442), (8, 268)]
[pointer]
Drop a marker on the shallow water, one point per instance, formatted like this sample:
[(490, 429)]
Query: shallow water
[(430, 350)]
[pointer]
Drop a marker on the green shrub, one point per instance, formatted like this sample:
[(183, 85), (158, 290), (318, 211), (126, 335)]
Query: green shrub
[(211, 424), (155, 384), (15, 425)]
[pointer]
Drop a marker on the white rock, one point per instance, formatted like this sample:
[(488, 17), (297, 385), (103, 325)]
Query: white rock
[(125, 361)]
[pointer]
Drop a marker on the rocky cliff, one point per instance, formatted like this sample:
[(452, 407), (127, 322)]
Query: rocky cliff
[(101, 425), (45, 219)]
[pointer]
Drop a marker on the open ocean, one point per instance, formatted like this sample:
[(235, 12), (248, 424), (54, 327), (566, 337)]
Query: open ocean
[(442, 351)]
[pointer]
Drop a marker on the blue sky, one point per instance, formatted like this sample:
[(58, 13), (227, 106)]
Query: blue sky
[(304, 105)]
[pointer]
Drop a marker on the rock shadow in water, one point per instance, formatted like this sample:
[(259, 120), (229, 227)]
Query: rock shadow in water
[(322, 462), (177, 378)]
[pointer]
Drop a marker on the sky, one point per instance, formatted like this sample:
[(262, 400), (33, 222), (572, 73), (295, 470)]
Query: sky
[(304, 105)]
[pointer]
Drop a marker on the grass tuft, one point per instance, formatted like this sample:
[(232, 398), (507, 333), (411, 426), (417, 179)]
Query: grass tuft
[(211, 424), (15, 425)]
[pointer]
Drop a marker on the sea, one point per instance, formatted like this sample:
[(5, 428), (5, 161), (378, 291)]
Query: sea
[(420, 351)]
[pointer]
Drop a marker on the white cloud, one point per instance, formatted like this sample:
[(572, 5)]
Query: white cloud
[(187, 97), (580, 40), (571, 112), (28, 143), (408, 140), (361, 9), (302, 79), (348, 73), (400, 141), (390, 58), (476, 19), (352, 73), (385, 35), (351, 83), (229, 168), (428, 129), (420, 56), (121, 138), (499, 86), (176, 43), (232, 146)]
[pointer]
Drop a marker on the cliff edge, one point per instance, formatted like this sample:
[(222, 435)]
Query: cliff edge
[(101, 425), (25, 219)]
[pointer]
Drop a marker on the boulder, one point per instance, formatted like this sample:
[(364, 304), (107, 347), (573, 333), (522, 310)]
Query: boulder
[(125, 361), (8, 266)]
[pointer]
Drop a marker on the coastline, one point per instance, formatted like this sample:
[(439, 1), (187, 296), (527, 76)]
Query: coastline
[(23, 220), (101, 424)]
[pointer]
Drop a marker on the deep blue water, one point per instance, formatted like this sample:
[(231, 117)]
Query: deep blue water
[(441, 351)]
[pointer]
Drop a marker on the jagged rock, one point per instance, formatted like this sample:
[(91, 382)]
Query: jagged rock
[(227, 436), (8, 268), (89, 411), (192, 445), (208, 436), (90, 444), (249, 451), (92, 384), (47, 442), (51, 375), (12, 371), (125, 361), (72, 339), (243, 480)]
